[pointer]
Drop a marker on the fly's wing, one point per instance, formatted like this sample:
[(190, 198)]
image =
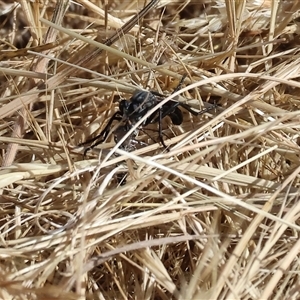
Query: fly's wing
[(153, 118), (172, 110), (169, 109), (176, 116)]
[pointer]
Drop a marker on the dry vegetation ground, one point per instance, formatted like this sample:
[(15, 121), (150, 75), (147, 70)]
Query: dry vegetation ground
[(216, 217)]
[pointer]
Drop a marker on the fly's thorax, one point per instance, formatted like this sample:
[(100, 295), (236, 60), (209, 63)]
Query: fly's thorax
[(140, 103), (142, 100)]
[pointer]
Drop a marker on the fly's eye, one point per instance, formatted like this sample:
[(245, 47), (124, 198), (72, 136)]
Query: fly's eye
[(123, 105)]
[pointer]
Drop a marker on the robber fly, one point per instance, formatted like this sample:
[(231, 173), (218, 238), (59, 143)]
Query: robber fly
[(131, 111)]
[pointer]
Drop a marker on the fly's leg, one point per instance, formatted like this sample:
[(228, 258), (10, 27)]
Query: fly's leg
[(100, 138)]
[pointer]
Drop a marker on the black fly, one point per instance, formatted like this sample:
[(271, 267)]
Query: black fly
[(130, 112)]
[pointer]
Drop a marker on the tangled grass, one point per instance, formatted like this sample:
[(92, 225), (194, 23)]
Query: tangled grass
[(215, 217)]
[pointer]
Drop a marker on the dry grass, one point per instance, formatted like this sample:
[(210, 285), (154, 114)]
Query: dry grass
[(216, 217)]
